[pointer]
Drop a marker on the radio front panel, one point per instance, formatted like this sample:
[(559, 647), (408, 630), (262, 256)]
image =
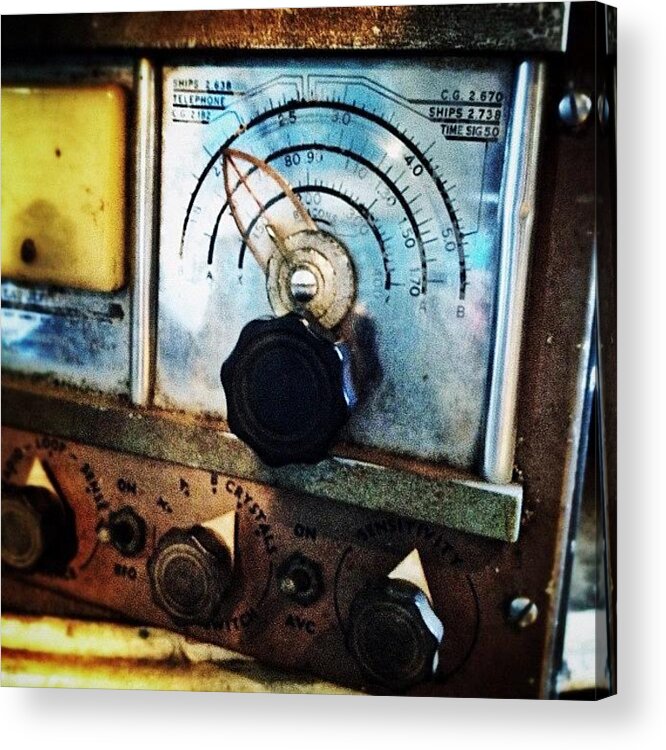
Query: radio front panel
[(299, 569), (296, 337)]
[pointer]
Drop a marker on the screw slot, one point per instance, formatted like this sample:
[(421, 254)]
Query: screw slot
[(575, 108), (522, 612)]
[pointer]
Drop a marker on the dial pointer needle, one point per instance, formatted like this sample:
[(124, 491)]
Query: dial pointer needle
[(231, 157)]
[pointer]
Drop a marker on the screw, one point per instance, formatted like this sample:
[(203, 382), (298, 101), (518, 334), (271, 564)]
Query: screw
[(574, 108), (303, 285), (287, 586), (523, 612), (603, 111)]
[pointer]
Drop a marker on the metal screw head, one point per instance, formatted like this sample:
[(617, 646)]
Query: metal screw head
[(103, 535), (303, 285), (523, 612), (575, 108), (603, 110)]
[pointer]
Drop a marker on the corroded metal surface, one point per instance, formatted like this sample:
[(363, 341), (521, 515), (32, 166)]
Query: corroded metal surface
[(556, 355), (506, 661), (350, 547), (53, 652), (534, 27), (410, 488)]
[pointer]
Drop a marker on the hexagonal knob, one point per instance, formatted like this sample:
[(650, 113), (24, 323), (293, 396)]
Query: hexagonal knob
[(190, 571), (394, 634)]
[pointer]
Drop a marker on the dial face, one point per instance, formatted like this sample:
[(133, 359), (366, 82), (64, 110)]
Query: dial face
[(394, 167)]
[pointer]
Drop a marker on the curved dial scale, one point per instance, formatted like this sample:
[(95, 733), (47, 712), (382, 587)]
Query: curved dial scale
[(384, 163)]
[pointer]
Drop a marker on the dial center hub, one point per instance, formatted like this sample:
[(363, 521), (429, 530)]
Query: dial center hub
[(303, 284), (314, 273)]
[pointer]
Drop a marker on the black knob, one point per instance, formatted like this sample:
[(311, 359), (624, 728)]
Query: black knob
[(190, 571), (288, 388), (38, 530), (394, 634)]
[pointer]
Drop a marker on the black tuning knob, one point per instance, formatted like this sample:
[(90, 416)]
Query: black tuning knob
[(288, 388), (394, 634), (190, 571)]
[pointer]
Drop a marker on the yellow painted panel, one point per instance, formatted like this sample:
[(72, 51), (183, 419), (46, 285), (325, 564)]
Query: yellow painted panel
[(63, 185)]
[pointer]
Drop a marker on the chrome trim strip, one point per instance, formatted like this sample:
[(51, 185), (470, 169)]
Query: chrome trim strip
[(143, 319), (570, 473), (518, 208), (565, 26)]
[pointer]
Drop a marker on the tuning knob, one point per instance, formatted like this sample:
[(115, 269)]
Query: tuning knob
[(37, 531), (394, 634), (288, 388), (190, 571)]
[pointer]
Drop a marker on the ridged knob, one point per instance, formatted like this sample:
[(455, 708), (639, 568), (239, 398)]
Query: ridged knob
[(288, 388)]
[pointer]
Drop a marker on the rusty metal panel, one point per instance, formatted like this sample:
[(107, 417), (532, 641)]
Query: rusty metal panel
[(525, 27), (476, 576), (369, 479)]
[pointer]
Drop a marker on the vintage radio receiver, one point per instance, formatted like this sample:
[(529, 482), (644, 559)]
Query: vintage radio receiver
[(275, 374)]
